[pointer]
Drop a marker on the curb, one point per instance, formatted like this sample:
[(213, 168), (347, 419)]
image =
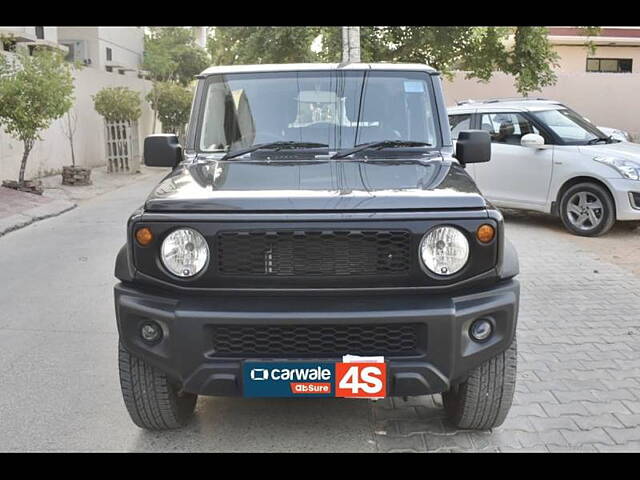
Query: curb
[(21, 220)]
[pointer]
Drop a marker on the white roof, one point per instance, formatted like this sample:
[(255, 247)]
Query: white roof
[(294, 67), (505, 105)]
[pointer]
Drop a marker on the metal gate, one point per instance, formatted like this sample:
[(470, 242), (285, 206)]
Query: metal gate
[(123, 147)]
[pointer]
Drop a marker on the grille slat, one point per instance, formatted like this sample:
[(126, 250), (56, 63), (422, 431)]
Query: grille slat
[(314, 253), (317, 340)]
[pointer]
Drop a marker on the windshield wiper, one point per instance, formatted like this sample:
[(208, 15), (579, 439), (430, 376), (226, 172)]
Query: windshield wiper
[(283, 145), (380, 145)]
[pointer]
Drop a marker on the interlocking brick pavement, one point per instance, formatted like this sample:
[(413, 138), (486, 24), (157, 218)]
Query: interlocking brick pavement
[(578, 385)]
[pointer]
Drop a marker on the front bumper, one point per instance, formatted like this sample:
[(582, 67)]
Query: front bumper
[(445, 356), (623, 191)]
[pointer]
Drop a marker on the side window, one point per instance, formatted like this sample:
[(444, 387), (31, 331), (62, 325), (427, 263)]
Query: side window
[(507, 127), (459, 123)]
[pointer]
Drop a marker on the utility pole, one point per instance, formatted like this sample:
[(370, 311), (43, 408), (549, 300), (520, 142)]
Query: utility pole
[(201, 36), (350, 44)]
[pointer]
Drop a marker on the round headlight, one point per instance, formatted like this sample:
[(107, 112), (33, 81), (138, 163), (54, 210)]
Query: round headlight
[(444, 250), (184, 252)]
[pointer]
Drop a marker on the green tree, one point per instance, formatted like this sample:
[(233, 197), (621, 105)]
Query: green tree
[(35, 90), (241, 45), (117, 104), (173, 104), (171, 55), (480, 51), (523, 52)]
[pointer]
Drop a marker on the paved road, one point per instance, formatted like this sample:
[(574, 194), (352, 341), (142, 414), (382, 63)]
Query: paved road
[(579, 339)]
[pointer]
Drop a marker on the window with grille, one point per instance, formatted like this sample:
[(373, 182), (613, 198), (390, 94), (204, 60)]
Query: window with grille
[(610, 65)]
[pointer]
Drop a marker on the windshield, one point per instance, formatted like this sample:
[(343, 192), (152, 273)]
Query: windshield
[(341, 109), (569, 126)]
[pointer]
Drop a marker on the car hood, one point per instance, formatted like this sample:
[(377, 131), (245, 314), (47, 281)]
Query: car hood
[(315, 185), (623, 150)]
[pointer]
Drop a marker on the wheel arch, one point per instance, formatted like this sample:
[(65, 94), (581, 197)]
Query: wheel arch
[(555, 205)]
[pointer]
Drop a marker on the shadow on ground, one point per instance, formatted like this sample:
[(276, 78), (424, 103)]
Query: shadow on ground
[(269, 425)]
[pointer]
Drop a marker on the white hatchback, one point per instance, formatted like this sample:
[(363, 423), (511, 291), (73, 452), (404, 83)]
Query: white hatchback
[(548, 158)]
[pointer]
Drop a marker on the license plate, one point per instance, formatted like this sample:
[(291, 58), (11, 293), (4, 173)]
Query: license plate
[(352, 379)]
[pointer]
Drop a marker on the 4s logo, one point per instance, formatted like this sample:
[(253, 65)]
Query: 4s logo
[(361, 380)]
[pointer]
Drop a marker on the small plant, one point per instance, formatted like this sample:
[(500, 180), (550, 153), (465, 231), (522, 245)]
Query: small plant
[(69, 130), (35, 90), (72, 174)]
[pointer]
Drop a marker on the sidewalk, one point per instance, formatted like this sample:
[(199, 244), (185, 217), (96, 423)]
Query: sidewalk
[(19, 209)]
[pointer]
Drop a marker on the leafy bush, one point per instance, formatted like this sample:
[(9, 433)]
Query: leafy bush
[(117, 104)]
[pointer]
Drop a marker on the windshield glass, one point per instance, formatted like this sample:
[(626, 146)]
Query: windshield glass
[(569, 126), (341, 109)]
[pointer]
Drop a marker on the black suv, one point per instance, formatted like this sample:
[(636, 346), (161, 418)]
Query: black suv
[(317, 236)]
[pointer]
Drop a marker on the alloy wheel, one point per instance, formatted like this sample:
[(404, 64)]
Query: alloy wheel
[(585, 210)]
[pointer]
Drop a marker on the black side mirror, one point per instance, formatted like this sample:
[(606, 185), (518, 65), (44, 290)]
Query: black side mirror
[(473, 146), (162, 150)]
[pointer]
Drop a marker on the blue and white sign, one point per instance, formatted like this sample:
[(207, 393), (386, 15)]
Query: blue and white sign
[(288, 379)]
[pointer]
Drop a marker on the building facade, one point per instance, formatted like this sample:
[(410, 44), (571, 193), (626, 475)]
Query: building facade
[(617, 50), (30, 36), (116, 50)]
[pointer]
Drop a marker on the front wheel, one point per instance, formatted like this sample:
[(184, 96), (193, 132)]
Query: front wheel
[(483, 400), (586, 209), (153, 402)]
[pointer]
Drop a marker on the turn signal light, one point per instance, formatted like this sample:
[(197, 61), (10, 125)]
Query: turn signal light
[(144, 236), (485, 233)]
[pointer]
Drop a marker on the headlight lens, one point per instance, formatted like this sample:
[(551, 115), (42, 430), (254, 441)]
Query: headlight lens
[(444, 250), (626, 168), (184, 252)]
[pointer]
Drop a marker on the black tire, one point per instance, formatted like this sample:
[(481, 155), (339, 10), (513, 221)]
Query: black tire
[(606, 214), (483, 400), (151, 399)]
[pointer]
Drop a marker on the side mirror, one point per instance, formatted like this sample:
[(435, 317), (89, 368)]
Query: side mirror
[(473, 146), (532, 140), (162, 150)]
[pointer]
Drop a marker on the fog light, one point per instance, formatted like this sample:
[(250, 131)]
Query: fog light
[(481, 330), (151, 332)]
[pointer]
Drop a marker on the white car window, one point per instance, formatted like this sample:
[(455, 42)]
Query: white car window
[(459, 123), (506, 127), (569, 126)]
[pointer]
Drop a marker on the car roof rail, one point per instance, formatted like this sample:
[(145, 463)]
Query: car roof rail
[(505, 99), (517, 99)]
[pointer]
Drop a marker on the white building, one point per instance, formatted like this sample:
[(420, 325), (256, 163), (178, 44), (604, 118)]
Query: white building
[(29, 37), (112, 49)]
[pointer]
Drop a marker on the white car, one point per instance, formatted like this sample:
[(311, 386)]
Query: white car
[(548, 158)]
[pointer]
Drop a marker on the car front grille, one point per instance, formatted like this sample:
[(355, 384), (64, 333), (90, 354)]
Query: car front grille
[(314, 253), (316, 340)]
